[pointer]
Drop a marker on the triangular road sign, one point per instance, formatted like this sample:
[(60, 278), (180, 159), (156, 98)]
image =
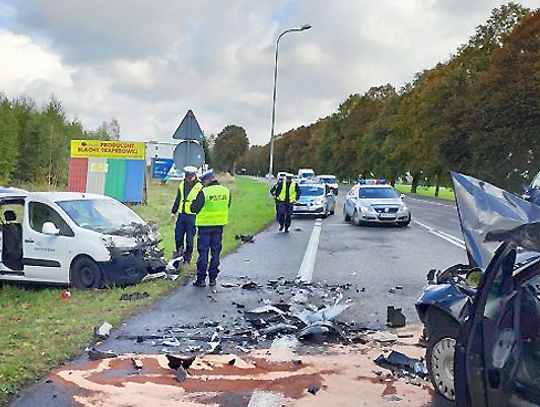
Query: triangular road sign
[(189, 129)]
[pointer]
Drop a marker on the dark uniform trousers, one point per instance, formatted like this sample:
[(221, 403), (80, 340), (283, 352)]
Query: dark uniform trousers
[(185, 228), (284, 213), (209, 241)]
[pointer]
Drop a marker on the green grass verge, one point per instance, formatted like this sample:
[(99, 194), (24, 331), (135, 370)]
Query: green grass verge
[(444, 193), (39, 331)]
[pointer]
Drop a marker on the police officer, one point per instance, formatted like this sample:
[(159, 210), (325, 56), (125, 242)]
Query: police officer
[(286, 192), (212, 209), (188, 190)]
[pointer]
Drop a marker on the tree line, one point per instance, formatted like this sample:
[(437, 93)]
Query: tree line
[(36, 141), (477, 113)]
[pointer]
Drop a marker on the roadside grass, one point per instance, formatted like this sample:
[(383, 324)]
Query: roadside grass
[(444, 192), (40, 331)]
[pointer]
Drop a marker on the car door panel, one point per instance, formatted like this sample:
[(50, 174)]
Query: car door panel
[(498, 347)]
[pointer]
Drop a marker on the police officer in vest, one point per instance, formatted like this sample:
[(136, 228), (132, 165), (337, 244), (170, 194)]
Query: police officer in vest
[(188, 190), (286, 192), (212, 209)]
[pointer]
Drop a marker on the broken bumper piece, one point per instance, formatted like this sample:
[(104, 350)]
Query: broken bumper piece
[(130, 267)]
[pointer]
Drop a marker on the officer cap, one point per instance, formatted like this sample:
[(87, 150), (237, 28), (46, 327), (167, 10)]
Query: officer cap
[(207, 175), (190, 169)]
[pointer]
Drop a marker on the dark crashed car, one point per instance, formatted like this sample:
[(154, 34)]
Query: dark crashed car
[(482, 320)]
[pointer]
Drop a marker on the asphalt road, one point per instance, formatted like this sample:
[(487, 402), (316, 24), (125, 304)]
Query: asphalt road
[(374, 260)]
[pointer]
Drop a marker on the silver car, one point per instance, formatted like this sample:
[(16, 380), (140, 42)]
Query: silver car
[(314, 200), (375, 204), (330, 181)]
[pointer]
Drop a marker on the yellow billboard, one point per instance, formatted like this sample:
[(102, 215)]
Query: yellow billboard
[(126, 150)]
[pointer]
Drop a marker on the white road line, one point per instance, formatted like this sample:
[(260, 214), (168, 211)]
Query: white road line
[(445, 236), (305, 273), (430, 202), (261, 398)]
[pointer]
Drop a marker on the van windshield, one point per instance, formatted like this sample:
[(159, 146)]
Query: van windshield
[(100, 215)]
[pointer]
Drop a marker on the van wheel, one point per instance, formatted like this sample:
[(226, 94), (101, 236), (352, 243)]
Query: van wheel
[(85, 273)]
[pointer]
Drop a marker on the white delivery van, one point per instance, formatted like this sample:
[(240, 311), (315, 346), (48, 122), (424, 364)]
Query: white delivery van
[(305, 173), (84, 240)]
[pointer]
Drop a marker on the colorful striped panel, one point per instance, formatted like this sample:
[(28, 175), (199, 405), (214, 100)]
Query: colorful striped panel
[(134, 181), (78, 174), (97, 174), (116, 176)]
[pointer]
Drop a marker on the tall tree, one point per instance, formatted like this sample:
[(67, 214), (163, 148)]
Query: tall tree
[(231, 143)]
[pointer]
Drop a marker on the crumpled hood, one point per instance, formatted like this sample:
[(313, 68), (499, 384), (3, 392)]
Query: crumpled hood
[(490, 215), (134, 235)]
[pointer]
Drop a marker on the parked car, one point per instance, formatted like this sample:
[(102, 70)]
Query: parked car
[(84, 240), (306, 174), (330, 181), (314, 200), (375, 203), (481, 319)]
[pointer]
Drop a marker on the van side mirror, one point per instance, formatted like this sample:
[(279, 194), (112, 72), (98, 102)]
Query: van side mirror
[(50, 228)]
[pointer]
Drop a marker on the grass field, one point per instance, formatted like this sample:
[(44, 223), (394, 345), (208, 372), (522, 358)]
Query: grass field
[(39, 331), (444, 193)]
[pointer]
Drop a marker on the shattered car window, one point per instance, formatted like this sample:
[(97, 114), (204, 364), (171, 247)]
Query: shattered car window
[(100, 215), (374, 193)]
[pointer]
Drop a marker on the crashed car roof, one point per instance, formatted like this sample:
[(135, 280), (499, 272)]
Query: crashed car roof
[(490, 215)]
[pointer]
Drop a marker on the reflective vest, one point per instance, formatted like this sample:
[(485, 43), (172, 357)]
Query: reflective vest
[(186, 201), (215, 211), (283, 193)]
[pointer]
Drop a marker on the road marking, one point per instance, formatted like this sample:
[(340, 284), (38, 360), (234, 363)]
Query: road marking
[(430, 202), (443, 235), (261, 398), (305, 273)]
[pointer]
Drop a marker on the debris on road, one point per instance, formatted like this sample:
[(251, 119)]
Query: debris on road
[(313, 389), (135, 296), (177, 361), (95, 354), (395, 317), (245, 238), (137, 364), (181, 374), (401, 365), (251, 285), (103, 331)]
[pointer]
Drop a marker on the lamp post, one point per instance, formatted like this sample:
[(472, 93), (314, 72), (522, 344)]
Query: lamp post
[(290, 30)]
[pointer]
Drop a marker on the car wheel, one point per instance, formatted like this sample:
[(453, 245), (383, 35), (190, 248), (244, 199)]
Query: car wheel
[(406, 223), (442, 334), (357, 221), (85, 273)]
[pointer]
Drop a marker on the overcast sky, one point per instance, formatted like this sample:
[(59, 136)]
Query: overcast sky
[(146, 62)]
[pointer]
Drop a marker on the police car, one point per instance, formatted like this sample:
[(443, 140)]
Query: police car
[(375, 202), (84, 240)]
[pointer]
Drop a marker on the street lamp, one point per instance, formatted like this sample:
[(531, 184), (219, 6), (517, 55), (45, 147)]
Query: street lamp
[(290, 30)]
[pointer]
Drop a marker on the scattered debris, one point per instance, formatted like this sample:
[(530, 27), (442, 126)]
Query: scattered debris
[(297, 229), (402, 365), (184, 361), (231, 362), (135, 296), (395, 317), (320, 332), (279, 329), (103, 331), (313, 389), (95, 354), (353, 273), (392, 291), (245, 238), (383, 337), (64, 295), (175, 264), (393, 397), (296, 362), (251, 285), (181, 374), (405, 335), (137, 364), (229, 285)]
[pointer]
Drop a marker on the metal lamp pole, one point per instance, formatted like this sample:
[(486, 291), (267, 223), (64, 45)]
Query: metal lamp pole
[(290, 30)]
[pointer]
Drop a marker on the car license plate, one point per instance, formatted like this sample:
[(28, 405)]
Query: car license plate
[(387, 216)]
